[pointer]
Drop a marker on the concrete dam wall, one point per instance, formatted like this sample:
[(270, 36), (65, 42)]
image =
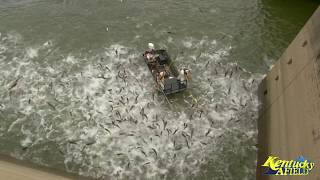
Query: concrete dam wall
[(289, 121)]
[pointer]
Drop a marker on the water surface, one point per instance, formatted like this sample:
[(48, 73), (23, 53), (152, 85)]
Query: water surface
[(76, 95)]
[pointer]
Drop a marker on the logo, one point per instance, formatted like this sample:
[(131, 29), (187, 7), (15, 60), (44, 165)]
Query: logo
[(278, 167)]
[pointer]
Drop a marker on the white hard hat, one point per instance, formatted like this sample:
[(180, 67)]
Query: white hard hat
[(151, 46)]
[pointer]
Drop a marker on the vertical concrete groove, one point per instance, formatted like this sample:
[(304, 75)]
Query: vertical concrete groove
[(286, 87), (289, 120)]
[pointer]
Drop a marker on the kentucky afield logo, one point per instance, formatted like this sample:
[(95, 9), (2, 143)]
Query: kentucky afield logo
[(300, 166)]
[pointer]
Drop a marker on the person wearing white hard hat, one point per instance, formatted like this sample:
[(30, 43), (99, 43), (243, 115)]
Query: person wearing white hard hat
[(150, 53), (151, 46)]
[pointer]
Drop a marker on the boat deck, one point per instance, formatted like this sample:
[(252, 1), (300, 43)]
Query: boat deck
[(162, 63)]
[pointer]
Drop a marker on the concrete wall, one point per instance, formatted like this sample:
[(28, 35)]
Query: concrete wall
[(289, 123), (13, 169)]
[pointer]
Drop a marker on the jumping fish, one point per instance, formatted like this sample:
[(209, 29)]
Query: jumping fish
[(90, 143), (229, 90), (170, 32), (207, 64), (169, 131), (187, 143), (107, 130), (207, 133), (107, 68), (216, 71), (164, 124), (185, 125), (116, 125), (15, 83), (51, 105), (143, 153), (231, 73), (226, 73), (73, 141), (191, 133), (122, 102), (175, 131), (201, 111), (155, 152), (143, 114), (203, 143)]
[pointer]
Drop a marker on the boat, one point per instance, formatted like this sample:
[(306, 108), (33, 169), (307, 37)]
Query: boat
[(168, 78)]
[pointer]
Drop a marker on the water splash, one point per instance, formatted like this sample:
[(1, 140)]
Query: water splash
[(99, 114)]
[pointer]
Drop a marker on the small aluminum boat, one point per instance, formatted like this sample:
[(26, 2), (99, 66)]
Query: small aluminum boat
[(169, 80)]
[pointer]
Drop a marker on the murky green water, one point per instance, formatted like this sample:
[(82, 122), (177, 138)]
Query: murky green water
[(63, 105)]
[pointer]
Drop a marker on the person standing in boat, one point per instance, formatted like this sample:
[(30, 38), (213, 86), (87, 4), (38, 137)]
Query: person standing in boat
[(160, 77), (150, 54), (184, 75)]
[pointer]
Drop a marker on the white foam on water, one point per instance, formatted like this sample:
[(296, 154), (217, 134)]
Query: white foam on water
[(70, 59), (26, 142), (32, 52), (107, 120), (13, 37), (187, 44), (47, 44)]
